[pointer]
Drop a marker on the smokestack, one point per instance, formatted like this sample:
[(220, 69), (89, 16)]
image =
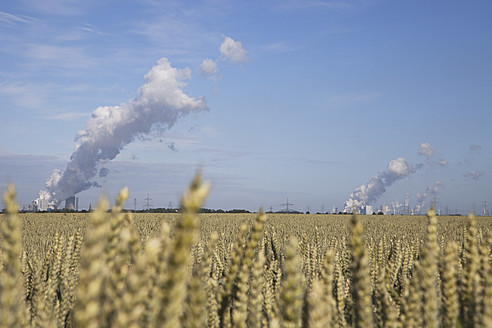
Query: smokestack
[(70, 203), (160, 101)]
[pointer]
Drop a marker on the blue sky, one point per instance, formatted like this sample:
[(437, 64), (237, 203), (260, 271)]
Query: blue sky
[(305, 100)]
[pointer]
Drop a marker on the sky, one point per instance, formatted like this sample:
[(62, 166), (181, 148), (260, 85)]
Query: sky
[(321, 104)]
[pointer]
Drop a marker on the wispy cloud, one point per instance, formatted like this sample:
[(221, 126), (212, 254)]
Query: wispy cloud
[(172, 34), (92, 29), (79, 33), (25, 94), (44, 99), (59, 56), (11, 19)]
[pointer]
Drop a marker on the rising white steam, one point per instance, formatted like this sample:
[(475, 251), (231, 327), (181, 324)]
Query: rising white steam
[(160, 101), (371, 191), (429, 151), (430, 192)]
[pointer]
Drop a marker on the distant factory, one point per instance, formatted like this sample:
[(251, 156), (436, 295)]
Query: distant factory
[(42, 205), (366, 210), (369, 210), (39, 205), (72, 203)]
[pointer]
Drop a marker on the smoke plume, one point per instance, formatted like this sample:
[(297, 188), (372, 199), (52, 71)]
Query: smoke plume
[(367, 193), (160, 101)]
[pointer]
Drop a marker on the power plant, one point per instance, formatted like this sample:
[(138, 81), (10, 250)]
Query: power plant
[(72, 203)]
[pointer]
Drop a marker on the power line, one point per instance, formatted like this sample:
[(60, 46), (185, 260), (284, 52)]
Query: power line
[(287, 205), (148, 202)]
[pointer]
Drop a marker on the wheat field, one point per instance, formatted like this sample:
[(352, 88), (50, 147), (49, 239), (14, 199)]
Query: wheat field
[(121, 269)]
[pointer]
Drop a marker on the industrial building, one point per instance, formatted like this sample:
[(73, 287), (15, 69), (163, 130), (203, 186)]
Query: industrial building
[(368, 210), (42, 204), (384, 209), (72, 203)]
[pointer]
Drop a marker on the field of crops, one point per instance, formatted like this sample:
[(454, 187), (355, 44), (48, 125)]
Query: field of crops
[(242, 270)]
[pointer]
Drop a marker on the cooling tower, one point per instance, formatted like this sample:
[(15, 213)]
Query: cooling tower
[(70, 203)]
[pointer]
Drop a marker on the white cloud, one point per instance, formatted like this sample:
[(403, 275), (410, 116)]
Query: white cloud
[(233, 50), (427, 150), (208, 68)]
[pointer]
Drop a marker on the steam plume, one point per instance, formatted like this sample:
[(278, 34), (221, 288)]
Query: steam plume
[(429, 151), (431, 191), (160, 101), (371, 191)]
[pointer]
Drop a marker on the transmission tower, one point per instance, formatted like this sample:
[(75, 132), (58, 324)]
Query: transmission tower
[(287, 205), (148, 202), (435, 203)]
